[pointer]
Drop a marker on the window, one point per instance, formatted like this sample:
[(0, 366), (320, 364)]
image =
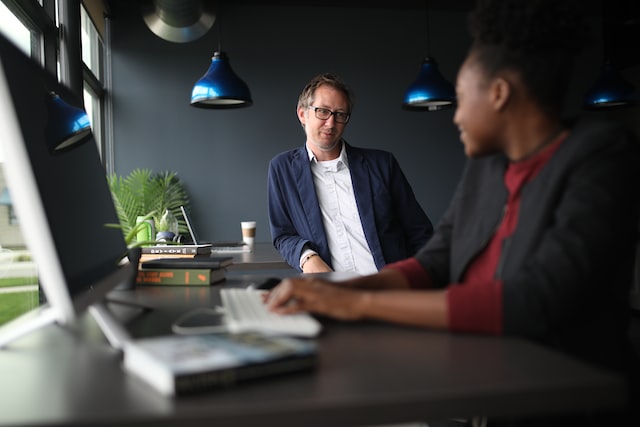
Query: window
[(33, 26), (12, 28), (92, 46), (30, 26), (93, 107), (93, 87)]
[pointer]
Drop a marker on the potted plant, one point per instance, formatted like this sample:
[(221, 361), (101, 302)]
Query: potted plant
[(149, 195), (166, 226)]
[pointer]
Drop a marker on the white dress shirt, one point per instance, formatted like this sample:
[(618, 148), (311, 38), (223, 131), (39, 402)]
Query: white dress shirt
[(340, 217)]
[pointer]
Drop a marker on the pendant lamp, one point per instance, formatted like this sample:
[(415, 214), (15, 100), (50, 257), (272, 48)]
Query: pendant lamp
[(67, 125), (178, 21), (430, 91), (610, 90), (220, 87)]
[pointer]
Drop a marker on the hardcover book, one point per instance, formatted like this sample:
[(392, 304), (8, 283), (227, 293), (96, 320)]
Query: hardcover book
[(212, 262), (184, 364), (177, 249), (179, 276), (149, 257)]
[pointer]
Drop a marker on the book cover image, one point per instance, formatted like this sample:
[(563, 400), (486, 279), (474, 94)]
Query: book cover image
[(183, 364), (180, 276)]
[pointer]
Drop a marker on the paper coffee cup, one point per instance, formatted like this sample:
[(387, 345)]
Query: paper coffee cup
[(248, 232)]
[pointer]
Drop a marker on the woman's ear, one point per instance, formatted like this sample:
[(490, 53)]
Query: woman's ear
[(499, 93)]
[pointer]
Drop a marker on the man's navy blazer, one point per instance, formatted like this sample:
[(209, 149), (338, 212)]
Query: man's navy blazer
[(394, 224)]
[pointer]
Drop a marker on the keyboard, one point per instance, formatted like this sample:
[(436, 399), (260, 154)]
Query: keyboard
[(245, 311)]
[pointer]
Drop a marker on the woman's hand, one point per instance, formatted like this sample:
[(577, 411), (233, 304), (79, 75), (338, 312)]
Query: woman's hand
[(318, 296), (384, 296)]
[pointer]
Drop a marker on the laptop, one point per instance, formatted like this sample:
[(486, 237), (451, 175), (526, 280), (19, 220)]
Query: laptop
[(218, 246)]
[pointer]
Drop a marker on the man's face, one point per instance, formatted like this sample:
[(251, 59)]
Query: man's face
[(324, 135)]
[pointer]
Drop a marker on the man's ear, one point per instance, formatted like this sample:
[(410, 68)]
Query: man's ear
[(301, 115), (499, 93)]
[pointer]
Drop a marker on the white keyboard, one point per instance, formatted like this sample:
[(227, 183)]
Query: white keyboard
[(245, 311)]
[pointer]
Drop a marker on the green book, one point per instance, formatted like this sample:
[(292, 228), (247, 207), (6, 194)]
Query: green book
[(179, 276)]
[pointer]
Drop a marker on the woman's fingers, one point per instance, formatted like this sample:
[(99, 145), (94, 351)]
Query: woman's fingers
[(314, 295)]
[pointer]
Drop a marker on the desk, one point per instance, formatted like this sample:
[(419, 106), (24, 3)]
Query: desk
[(263, 257), (368, 374)]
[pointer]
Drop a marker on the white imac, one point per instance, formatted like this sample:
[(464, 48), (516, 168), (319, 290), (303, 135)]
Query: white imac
[(62, 201)]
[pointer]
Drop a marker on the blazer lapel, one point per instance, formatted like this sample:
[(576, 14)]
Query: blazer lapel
[(309, 199), (361, 181)]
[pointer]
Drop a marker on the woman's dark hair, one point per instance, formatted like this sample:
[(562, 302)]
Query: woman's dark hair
[(539, 39)]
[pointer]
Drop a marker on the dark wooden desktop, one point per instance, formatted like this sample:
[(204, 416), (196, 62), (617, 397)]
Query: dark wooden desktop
[(263, 257), (368, 374)]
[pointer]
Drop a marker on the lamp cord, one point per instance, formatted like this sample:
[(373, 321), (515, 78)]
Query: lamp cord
[(426, 10), (219, 34)]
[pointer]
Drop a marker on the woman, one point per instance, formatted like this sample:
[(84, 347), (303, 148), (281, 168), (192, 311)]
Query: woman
[(540, 235)]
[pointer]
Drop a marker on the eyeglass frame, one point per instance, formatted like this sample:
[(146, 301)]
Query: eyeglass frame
[(331, 113)]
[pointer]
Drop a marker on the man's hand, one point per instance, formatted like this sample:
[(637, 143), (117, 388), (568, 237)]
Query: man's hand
[(315, 264)]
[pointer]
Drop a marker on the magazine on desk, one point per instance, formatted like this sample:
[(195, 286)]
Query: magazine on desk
[(185, 364)]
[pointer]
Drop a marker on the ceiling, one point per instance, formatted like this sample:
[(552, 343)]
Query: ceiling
[(591, 6), (621, 17), (396, 4)]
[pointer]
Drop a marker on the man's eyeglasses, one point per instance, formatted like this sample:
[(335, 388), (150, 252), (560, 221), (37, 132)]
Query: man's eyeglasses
[(324, 114)]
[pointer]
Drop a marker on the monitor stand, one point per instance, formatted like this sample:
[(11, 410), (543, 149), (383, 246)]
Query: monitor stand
[(112, 329), (40, 317), (27, 323)]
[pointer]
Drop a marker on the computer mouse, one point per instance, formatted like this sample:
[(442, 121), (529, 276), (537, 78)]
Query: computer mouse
[(267, 285)]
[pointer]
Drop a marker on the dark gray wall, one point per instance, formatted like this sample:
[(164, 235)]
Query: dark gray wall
[(222, 156)]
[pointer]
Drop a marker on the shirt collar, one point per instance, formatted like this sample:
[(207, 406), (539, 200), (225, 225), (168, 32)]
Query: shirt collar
[(342, 158)]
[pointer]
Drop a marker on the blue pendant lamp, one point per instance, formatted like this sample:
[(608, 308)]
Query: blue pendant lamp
[(610, 91), (430, 91), (220, 87), (67, 125)]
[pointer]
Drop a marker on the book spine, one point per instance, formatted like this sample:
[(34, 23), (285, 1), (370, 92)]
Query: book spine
[(181, 276), (149, 257), (197, 382), (171, 250)]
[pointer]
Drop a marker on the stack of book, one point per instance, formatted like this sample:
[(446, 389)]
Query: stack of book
[(189, 269)]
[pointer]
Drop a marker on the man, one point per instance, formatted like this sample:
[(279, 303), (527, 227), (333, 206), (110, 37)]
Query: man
[(334, 207)]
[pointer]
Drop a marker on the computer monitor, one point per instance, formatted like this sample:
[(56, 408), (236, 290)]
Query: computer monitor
[(62, 201)]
